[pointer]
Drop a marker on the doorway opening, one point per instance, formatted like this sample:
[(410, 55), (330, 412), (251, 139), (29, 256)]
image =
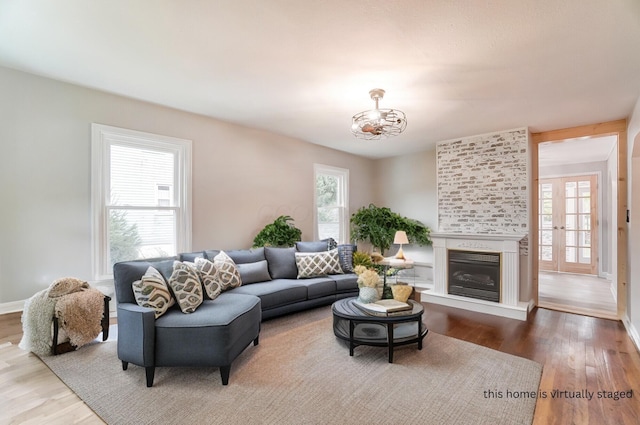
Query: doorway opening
[(577, 215)]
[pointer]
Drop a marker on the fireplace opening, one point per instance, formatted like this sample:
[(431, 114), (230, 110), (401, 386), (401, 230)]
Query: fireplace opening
[(474, 274)]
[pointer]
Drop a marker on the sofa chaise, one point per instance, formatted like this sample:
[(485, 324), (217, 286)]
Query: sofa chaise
[(219, 322)]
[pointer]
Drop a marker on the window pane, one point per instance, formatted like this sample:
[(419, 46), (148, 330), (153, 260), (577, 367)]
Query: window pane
[(326, 190), (141, 177), (135, 234), (329, 223)]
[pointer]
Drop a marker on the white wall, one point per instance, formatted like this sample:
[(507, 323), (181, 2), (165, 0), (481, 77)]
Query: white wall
[(633, 271), (242, 178), (408, 185)]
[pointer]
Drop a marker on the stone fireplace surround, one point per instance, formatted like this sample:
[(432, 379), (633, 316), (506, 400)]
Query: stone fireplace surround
[(508, 245)]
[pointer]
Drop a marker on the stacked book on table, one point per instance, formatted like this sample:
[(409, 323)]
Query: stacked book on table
[(384, 308)]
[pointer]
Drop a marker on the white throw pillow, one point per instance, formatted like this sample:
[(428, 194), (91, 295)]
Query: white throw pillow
[(152, 292), (312, 264), (227, 274)]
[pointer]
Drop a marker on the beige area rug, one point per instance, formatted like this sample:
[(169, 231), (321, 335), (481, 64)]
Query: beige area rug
[(302, 374)]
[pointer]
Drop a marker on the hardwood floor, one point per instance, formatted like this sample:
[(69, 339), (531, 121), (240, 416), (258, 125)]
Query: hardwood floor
[(577, 293), (578, 353)]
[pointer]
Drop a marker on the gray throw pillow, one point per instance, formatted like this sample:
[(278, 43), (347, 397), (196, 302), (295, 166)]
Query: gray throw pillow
[(282, 262), (242, 256), (254, 272), (314, 246)]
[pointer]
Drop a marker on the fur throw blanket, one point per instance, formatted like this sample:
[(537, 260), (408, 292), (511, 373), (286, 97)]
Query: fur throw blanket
[(79, 310)]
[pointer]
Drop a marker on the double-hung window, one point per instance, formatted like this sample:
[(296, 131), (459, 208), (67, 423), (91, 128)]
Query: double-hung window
[(141, 196), (331, 202)]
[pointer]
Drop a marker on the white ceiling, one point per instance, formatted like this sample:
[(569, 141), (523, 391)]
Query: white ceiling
[(576, 151), (303, 68)]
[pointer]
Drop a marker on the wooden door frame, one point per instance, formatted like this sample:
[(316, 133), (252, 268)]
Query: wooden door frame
[(612, 128)]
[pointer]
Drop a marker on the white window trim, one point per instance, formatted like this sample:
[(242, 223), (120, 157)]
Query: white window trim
[(101, 138), (343, 175)]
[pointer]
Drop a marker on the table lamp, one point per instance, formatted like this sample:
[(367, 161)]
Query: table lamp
[(400, 238)]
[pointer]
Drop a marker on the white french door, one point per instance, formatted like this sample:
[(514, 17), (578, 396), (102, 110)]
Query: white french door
[(567, 223)]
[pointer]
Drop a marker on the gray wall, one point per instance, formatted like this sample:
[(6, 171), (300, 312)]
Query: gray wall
[(242, 178)]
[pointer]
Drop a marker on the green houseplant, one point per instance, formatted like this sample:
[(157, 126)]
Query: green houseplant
[(378, 226), (280, 233)]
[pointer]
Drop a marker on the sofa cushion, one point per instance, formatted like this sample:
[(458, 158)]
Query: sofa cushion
[(254, 272), (276, 292), (207, 273), (318, 287), (311, 264), (282, 262), (345, 254), (151, 291), (243, 256), (186, 287), (127, 272), (345, 282), (227, 274)]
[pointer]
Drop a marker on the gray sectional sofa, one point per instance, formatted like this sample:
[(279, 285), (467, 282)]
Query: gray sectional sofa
[(213, 335)]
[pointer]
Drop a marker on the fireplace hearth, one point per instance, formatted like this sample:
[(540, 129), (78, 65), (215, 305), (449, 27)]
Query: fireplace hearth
[(492, 286), (474, 274)]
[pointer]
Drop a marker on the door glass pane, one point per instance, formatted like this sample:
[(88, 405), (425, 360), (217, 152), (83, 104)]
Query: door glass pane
[(585, 205), (584, 188), (546, 253), (585, 222), (571, 206), (546, 237), (570, 189), (546, 221), (571, 238), (570, 222), (547, 206), (585, 255), (585, 238), (571, 254)]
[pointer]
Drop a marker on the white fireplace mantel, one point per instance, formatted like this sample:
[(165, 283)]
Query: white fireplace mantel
[(508, 245)]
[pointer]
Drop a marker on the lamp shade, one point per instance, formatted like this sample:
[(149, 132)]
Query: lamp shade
[(400, 237)]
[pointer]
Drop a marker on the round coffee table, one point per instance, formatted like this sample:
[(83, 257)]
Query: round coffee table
[(353, 325)]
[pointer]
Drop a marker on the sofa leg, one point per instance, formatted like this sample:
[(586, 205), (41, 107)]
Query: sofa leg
[(256, 341), (224, 374), (150, 371), (125, 365)]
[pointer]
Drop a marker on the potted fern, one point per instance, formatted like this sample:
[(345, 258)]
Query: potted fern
[(280, 233), (378, 226)]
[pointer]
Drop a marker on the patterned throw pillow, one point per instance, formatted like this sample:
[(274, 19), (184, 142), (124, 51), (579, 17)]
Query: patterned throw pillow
[(227, 274), (152, 292), (207, 272), (311, 264), (345, 253), (186, 287)]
